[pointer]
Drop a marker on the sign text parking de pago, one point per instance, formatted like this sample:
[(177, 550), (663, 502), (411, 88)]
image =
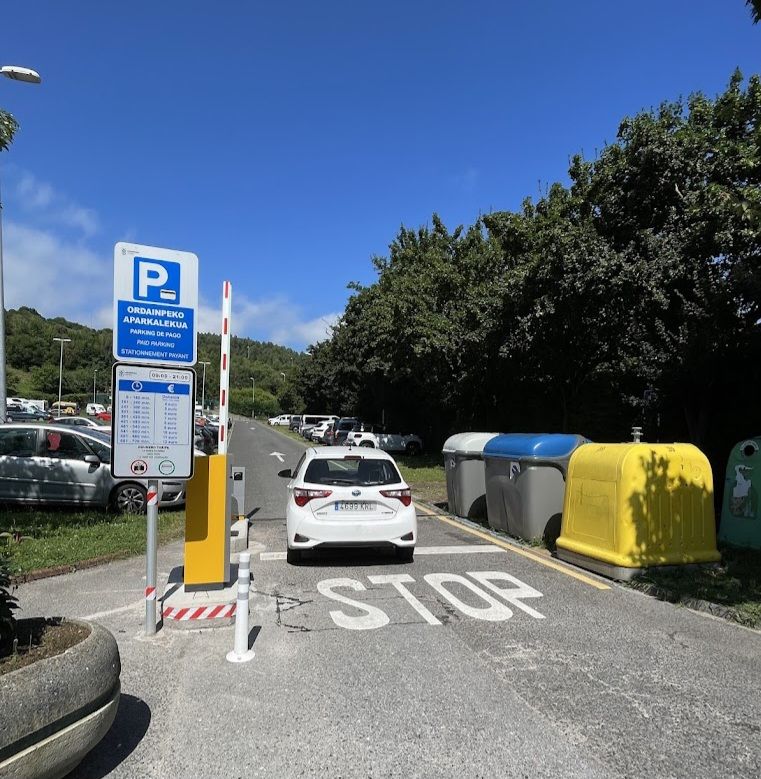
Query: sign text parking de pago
[(155, 333)]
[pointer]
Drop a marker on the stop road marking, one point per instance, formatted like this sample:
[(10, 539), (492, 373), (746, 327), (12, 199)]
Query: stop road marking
[(494, 610)]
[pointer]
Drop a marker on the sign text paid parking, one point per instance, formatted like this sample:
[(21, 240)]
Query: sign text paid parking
[(155, 302)]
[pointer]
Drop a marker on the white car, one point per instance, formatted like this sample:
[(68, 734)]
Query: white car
[(408, 443), (283, 419), (318, 433), (339, 496)]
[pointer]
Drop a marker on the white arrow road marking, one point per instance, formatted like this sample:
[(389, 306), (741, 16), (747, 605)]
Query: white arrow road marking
[(279, 456)]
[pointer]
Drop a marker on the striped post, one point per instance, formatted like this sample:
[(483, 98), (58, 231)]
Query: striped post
[(151, 554), (224, 366), (240, 652)]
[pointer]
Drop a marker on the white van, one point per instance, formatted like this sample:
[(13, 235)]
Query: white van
[(283, 419), (94, 408), (314, 419)]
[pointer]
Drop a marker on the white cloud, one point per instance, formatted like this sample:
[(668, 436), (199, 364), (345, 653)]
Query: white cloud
[(54, 276), (56, 272), (41, 202), (278, 320)]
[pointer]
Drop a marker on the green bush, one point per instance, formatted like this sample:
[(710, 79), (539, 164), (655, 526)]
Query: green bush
[(8, 605)]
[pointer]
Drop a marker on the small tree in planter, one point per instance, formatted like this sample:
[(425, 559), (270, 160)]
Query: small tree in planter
[(8, 605)]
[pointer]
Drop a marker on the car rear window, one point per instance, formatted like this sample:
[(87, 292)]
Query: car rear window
[(362, 472)]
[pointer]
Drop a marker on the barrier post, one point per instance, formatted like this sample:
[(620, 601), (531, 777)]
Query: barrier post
[(241, 653), (152, 523)]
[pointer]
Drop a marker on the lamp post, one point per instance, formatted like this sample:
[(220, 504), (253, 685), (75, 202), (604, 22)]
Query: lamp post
[(94, 393), (253, 396), (62, 341), (203, 386), (14, 73), (283, 375)]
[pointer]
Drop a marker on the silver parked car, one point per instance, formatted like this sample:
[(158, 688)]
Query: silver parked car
[(63, 465)]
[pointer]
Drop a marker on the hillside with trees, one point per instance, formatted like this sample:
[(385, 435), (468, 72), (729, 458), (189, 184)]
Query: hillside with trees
[(33, 357), (630, 295)]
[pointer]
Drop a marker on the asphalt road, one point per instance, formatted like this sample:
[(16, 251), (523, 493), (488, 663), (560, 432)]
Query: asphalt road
[(475, 660)]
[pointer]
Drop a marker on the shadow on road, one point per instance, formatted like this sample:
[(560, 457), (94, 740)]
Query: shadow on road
[(132, 720), (343, 556)]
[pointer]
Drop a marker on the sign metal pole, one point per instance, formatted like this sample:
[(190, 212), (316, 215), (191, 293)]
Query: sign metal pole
[(151, 554)]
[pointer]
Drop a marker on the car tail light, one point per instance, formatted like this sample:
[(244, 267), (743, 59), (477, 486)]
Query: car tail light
[(302, 497), (405, 496)]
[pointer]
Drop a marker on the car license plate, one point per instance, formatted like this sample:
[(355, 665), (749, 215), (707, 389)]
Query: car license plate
[(357, 506)]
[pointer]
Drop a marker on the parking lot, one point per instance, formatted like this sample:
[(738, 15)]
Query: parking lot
[(479, 658)]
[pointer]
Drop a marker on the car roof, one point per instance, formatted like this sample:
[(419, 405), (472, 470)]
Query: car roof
[(337, 452)]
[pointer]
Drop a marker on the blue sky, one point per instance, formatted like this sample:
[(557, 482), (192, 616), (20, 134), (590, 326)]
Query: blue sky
[(286, 143)]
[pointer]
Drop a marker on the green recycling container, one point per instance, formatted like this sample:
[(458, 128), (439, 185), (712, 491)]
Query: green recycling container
[(740, 514)]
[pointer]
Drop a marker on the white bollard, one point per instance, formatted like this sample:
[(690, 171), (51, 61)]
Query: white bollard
[(241, 653)]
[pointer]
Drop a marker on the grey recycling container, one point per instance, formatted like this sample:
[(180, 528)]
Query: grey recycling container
[(525, 482), (464, 468)]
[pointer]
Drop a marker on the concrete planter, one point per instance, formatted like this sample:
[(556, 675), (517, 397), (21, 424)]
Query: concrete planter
[(56, 710)]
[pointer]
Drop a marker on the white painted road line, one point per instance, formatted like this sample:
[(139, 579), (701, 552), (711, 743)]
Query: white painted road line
[(419, 550), (119, 610), (265, 556), (459, 549)]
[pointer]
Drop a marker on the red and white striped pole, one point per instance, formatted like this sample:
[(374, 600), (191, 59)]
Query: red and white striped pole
[(152, 527), (224, 365)]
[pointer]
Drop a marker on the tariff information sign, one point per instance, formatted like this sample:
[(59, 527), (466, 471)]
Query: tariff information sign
[(153, 426)]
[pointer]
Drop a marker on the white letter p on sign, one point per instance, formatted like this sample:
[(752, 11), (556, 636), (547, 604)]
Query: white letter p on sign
[(150, 274)]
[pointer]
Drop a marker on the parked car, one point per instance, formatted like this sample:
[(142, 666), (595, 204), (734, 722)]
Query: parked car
[(315, 419), (295, 423), (104, 416), (56, 464), (64, 407), (283, 419), (83, 423), (342, 428), (91, 409), (306, 431), (408, 443), (318, 432), (205, 440), (362, 434), (343, 497), (21, 414)]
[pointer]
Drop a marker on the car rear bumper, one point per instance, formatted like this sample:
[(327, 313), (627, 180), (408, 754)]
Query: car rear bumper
[(353, 532)]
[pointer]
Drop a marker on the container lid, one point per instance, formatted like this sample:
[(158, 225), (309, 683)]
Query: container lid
[(536, 446), (467, 443)]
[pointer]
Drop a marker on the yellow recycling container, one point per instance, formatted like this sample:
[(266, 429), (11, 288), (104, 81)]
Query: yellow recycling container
[(637, 505)]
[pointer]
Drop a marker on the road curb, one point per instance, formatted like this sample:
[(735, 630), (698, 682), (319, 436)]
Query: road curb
[(695, 604)]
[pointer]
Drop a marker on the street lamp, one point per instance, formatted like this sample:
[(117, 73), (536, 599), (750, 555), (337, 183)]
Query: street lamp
[(94, 377), (15, 73), (283, 375), (62, 341), (253, 396), (203, 386)]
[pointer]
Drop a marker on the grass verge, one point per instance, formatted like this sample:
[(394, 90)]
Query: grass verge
[(283, 430), (58, 537), (425, 475), (734, 584)]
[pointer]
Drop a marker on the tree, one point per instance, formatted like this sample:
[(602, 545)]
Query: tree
[(755, 10), (8, 129)]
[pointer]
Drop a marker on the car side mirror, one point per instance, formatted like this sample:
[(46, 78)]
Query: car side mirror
[(285, 474), (92, 459)]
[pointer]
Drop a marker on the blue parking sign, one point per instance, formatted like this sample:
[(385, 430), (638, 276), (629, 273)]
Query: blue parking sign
[(155, 305)]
